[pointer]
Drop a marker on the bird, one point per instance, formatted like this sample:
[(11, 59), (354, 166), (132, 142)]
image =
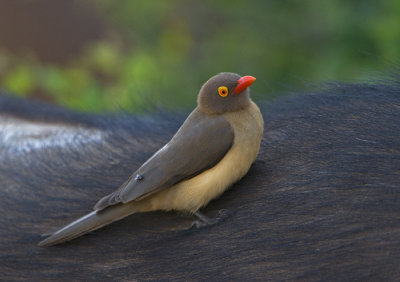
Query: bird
[(213, 149)]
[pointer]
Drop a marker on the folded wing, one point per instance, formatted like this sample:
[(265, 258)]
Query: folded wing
[(200, 143)]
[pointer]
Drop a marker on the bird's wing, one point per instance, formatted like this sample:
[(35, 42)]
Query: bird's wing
[(200, 143)]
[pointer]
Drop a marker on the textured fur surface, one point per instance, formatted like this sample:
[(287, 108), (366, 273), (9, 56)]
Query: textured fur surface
[(321, 202)]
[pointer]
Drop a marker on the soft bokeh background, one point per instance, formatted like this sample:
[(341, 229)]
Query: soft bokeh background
[(106, 55)]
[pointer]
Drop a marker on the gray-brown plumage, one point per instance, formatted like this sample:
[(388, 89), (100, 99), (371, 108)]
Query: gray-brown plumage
[(171, 164), (214, 148)]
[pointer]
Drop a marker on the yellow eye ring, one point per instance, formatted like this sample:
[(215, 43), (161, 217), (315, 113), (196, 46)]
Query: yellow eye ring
[(223, 91)]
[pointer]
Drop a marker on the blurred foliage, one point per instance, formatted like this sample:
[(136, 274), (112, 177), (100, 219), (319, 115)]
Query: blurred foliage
[(160, 52)]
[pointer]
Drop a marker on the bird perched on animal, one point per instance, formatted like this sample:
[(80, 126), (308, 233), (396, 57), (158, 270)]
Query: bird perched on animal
[(213, 149)]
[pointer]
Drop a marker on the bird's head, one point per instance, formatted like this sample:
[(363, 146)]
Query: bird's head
[(225, 92)]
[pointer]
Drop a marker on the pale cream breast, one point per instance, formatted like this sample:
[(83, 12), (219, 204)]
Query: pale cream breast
[(192, 194)]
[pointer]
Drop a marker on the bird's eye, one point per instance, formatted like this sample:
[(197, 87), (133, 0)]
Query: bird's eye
[(223, 91)]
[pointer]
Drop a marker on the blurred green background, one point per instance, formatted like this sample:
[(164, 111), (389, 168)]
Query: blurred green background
[(106, 55)]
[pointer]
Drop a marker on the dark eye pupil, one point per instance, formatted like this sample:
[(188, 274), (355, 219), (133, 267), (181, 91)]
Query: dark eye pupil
[(223, 92)]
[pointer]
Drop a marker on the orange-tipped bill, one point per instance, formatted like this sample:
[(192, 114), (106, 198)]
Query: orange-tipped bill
[(243, 83)]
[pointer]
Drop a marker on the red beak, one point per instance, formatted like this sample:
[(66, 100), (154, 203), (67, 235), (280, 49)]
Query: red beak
[(243, 83)]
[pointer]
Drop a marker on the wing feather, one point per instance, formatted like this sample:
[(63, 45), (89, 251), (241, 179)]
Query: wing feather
[(200, 143)]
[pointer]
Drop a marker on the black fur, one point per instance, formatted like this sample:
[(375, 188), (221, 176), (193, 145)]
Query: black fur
[(321, 202)]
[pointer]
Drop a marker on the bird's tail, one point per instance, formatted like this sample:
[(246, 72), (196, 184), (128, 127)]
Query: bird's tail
[(88, 223)]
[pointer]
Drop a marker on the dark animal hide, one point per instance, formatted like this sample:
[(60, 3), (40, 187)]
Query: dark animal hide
[(321, 202)]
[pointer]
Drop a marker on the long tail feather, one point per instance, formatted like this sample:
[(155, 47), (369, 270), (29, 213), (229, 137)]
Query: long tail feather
[(88, 223)]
